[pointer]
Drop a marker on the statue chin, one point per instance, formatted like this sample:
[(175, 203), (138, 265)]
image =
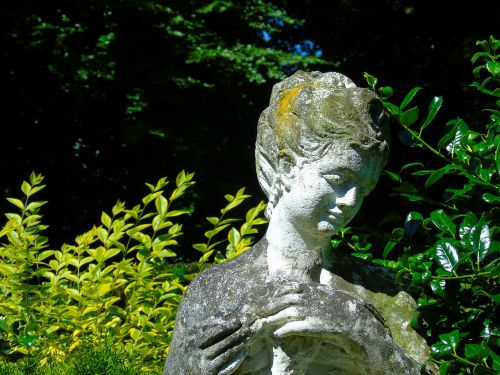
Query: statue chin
[(326, 228)]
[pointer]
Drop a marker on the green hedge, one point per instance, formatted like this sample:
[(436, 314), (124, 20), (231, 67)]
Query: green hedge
[(119, 282)]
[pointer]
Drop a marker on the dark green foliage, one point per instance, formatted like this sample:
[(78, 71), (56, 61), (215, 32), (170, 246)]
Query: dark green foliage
[(25, 366), (102, 95), (446, 249), (89, 359)]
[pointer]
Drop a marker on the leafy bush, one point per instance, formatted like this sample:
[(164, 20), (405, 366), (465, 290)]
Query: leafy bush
[(115, 281), (446, 250), (85, 360)]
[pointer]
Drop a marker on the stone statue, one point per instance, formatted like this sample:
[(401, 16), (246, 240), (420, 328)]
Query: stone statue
[(290, 305)]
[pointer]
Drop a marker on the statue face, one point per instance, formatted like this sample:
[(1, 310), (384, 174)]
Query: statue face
[(324, 195)]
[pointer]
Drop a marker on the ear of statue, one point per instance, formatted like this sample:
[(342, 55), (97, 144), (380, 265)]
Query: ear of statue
[(287, 171)]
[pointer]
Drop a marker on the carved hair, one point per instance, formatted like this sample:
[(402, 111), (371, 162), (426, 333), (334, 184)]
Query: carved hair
[(307, 114)]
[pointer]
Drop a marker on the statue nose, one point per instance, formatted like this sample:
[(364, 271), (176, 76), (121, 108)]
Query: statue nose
[(348, 200)]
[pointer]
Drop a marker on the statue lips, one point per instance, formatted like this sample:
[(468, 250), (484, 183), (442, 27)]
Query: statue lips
[(335, 217)]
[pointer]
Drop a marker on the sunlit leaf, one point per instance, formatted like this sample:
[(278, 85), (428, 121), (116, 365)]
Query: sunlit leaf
[(438, 287), (434, 107), (443, 222), (409, 97), (446, 254), (438, 174), (480, 239), (16, 202)]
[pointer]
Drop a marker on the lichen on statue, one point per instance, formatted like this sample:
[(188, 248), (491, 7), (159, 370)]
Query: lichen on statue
[(290, 305)]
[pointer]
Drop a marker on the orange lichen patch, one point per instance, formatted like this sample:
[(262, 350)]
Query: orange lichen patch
[(286, 121), (286, 103)]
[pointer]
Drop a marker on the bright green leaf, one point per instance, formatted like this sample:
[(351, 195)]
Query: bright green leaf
[(443, 222), (26, 188), (437, 174), (446, 254), (16, 202), (209, 234), (409, 97), (434, 107), (409, 117)]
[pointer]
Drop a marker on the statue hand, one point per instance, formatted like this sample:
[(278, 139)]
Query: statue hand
[(223, 347), (284, 306), (302, 309)]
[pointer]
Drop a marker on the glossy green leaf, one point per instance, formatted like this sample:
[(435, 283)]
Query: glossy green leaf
[(371, 80), (491, 198), (480, 239), (446, 255), (161, 204), (443, 222), (411, 166), (460, 131), (409, 97), (26, 188), (200, 247), (438, 174), (388, 248), (440, 350), (392, 175), (393, 109), (233, 236), (105, 219), (493, 67), (213, 220), (466, 226), (434, 107), (174, 213), (409, 117), (28, 340), (443, 368), (34, 205), (478, 55), (209, 234), (438, 287), (413, 197), (496, 359), (452, 338)]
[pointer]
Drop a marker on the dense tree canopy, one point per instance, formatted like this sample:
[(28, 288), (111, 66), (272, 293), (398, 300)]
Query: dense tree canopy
[(101, 96)]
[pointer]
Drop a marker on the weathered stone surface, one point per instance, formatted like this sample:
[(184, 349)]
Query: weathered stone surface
[(290, 305)]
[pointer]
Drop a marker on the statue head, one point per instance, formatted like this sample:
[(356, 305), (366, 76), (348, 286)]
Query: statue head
[(313, 116)]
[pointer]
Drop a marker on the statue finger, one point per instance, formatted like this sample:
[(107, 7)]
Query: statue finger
[(234, 364), (226, 344), (218, 333), (293, 328), (281, 303), (286, 315)]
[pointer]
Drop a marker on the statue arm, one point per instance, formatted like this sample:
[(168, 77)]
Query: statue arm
[(213, 347)]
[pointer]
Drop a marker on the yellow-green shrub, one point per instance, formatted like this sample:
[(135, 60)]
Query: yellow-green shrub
[(117, 280)]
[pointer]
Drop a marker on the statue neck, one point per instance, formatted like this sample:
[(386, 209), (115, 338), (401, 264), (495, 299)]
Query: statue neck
[(293, 254)]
